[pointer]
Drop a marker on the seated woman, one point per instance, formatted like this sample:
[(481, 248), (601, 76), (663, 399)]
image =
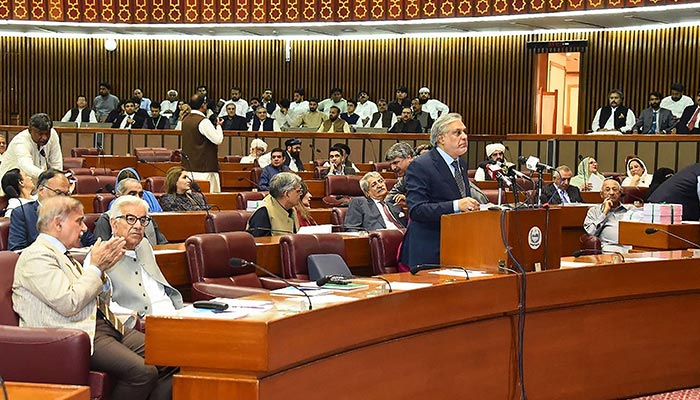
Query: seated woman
[(660, 176), (636, 172), (18, 189), (179, 197), (149, 197), (304, 207), (588, 178), (276, 215), (257, 148)]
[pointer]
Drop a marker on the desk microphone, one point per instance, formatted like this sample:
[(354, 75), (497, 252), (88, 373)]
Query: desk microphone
[(651, 231), (141, 160), (533, 164), (579, 253), (243, 178), (195, 186), (424, 267), (496, 173), (239, 263), (342, 280), (4, 389), (513, 171)]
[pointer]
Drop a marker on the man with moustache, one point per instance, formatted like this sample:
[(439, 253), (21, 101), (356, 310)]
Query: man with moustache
[(131, 118), (689, 123), (241, 104), (614, 116), (400, 156), (34, 149), (334, 123), (560, 191), (406, 124), (602, 220), (105, 102), (433, 107), (372, 212), (383, 118), (654, 119), (437, 185), (233, 121), (311, 119), (200, 141), (81, 113), (426, 121)]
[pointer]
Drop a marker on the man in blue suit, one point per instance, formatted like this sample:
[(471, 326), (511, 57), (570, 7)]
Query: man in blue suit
[(23, 230), (437, 185)]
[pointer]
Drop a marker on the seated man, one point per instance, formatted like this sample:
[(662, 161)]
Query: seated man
[(352, 118), (261, 122), (400, 155), (81, 113), (23, 230), (336, 164), (156, 120), (130, 119), (275, 167), (559, 191), (233, 121), (276, 214), (52, 290), (690, 119), (371, 212), (334, 123), (602, 221), (614, 116), (495, 152), (654, 119), (138, 285), (311, 119), (406, 124), (383, 118), (128, 187)]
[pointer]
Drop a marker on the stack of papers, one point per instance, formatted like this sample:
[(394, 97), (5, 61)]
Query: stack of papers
[(333, 286), (297, 291)]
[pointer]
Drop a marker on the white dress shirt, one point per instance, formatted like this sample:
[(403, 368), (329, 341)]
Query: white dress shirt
[(297, 109), (365, 111), (610, 123), (387, 221), (676, 107), (24, 154), (434, 106)]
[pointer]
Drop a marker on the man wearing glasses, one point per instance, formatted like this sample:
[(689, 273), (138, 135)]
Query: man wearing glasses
[(602, 220), (128, 187), (560, 191), (138, 285), (276, 215), (371, 212), (23, 230)]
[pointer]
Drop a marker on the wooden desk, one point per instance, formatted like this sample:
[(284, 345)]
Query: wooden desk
[(223, 200), (113, 162), (236, 181), (45, 391), (87, 200), (178, 226), (633, 233), (155, 168), (587, 337)]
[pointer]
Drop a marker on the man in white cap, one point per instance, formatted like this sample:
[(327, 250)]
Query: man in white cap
[(494, 153), (433, 107)]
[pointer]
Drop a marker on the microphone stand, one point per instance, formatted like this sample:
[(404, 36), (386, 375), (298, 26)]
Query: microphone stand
[(540, 180)]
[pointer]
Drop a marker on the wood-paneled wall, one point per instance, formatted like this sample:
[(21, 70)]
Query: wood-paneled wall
[(490, 80)]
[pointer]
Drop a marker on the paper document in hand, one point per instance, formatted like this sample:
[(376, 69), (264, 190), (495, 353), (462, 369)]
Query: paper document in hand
[(296, 291), (459, 272)]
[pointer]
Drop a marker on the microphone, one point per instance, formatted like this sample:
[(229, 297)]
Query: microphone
[(580, 157), (342, 280), (651, 231), (425, 267), (496, 173), (484, 164), (513, 171), (579, 253), (239, 263), (4, 389), (110, 188), (195, 186), (141, 160), (533, 163), (243, 178)]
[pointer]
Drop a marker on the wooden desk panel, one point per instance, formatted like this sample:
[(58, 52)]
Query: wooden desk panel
[(633, 233), (87, 201), (317, 187), (113, 162), (608, 341), (224, 166), (178, 226), (155, 168), (223, 200), (236, 181), (45, 391)]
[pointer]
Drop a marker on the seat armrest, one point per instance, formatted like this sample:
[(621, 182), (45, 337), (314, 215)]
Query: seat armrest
[(272, 283)]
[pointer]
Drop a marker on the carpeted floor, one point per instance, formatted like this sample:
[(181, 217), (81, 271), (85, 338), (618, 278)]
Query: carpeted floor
[(685, 394)]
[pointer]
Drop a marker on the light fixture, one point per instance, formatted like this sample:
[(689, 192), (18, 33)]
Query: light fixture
[(110, 44)]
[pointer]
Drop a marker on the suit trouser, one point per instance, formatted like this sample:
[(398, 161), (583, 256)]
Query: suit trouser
[(122, 358)]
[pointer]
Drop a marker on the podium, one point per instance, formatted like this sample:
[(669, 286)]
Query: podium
[(474, 240)]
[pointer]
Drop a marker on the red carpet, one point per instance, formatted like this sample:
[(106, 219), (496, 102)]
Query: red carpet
[(685, 394)]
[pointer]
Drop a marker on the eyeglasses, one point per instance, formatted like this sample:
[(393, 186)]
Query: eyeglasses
[(131, 219), (58, 192)]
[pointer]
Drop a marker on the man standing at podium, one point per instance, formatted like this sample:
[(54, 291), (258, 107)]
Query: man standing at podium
[(437, 185)]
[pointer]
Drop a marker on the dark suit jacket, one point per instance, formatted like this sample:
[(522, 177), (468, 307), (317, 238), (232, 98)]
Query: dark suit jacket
[(237, 123), (682, 125), (412, 126), (138, 121), (23, 230), (665, 121), (431, 191), (363, 213), (550, 194)]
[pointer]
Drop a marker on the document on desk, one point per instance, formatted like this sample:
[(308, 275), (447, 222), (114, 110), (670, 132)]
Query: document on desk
[(460, 273), (297, 291), (314, 229), (250, 306), (574, 264), (191, 312)]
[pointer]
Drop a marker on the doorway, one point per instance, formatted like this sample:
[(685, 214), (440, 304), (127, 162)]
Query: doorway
[(557, 93)]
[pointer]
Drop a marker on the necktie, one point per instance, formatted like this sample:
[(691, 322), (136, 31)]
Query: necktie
[(564, 196), (693, 119), (459, 180), (390, 216), (102, 307), (653, 122)]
